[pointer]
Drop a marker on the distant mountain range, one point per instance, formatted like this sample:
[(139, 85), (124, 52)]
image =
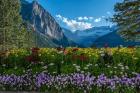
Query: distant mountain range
[(87, 37), (49, 33), (113, 39), (98, 36)]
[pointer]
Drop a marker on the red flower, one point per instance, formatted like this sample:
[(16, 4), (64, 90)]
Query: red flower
[(83, 57), (35, 49), (65, 52), (29, 58), (131, 47), (75, 57), (75, 49)]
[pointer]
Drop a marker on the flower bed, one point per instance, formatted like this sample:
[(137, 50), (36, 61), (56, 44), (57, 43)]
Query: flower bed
[(76, 82), (119, 65)]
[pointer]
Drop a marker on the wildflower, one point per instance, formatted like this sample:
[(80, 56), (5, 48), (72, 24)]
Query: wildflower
[(75, 49), (35, 50), (74, 64), (126, 67), (108, 66), (96, 65), (102, 54), (51, 64), (45, 67), (111, 72), (85, 68)]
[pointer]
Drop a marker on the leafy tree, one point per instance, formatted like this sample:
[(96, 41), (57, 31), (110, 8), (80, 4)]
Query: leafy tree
[(127, 17)]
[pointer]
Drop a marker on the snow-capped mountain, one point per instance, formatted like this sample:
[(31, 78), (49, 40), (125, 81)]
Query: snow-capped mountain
[(87, 37)]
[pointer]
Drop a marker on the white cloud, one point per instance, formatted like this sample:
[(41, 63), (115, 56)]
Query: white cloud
[(85, 18), (97, 20), (74, 24), (82, 23), (80, 18)]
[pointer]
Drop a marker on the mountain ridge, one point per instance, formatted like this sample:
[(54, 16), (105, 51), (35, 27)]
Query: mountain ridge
[(88, 36), (113, 39), (44, 24)]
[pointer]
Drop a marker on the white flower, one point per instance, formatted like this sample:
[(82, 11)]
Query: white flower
[(85, 68), (54, 72), (51, 64), (45, 67), (96, 65), (134, 73), (60, 52), (62, 62), (111, 72), (122, 68), (23, 71), (102, 54), (3, 65), (121, 73), (120, 64), (74, 64), (53, 55), (42, 63), (125, 74), (108, 66), (126, 67), (89, 65), (78, 69), (15, 67), (82, 71)]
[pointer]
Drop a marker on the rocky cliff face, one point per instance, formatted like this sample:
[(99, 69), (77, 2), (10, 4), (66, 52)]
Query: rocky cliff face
[(44, 24)]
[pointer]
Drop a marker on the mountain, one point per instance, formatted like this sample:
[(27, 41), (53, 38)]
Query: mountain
[(48, 31), (88, 36), (113, 39)]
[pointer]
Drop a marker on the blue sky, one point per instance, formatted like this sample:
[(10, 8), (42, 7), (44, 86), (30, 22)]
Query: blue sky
[(80, 14)]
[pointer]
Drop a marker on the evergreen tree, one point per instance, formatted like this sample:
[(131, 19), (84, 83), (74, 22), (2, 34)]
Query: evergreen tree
[(12, 32), (127, 17)]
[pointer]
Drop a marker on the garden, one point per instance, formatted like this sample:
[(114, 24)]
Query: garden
[(72, 70)]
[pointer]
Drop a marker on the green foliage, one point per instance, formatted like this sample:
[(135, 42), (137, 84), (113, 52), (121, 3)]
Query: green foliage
[(12, 32), (124, 61), (128, 19)]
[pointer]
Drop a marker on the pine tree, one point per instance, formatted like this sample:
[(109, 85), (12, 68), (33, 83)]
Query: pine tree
[(12, 32), (127, 17)]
